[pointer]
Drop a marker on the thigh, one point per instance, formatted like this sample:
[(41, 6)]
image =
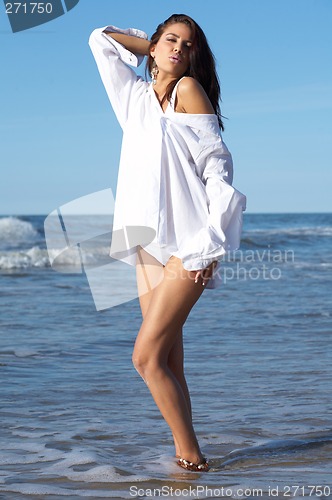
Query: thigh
[(148, 269), (169, 307), (173, 299), (149, 273)]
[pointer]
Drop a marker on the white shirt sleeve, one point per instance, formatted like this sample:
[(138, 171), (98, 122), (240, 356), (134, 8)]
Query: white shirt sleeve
[(225, 204), (112, 60)]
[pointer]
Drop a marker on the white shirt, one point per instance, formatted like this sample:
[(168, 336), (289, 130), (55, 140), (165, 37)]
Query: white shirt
[(175, 171)]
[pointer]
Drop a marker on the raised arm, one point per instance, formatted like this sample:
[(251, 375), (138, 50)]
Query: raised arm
[(132, 43), (115, 50)]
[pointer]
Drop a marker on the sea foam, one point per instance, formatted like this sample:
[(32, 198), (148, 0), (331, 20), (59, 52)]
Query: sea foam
[(15, 231)]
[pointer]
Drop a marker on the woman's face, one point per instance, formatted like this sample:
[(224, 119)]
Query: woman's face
[(171, 52)]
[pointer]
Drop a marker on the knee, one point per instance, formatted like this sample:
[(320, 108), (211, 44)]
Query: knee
[(145, 364), (138, 363)]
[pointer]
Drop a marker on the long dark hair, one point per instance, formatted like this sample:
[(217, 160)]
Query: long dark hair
[(202, 64)]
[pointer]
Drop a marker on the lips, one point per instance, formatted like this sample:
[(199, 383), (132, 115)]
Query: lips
[(175, 59)]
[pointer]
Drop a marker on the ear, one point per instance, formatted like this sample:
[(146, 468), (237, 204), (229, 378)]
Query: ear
[(152, 51)]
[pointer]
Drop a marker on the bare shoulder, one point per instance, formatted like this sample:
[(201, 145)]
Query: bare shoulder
[(192, 98)]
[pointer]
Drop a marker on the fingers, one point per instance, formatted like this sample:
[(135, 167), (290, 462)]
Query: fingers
[(205, 274), (197, 275)]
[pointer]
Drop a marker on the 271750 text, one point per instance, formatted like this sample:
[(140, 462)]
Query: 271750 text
[(29, 8), (310, 490)]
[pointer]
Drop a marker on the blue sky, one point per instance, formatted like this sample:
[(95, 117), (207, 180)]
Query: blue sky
[(60, 140)]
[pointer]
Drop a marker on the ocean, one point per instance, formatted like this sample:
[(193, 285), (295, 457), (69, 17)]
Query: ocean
[(77, 421)]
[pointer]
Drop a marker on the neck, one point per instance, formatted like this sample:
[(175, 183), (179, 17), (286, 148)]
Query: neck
[(162, 83)]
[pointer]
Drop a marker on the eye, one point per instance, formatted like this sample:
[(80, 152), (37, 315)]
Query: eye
[(171, 39)]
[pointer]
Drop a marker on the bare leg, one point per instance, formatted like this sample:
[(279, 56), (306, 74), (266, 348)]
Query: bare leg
[(168, 308), (149, 274), (176, 365)]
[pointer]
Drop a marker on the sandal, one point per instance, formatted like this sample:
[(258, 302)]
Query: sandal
[(201, 467)]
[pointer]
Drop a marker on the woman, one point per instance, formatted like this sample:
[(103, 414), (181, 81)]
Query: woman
[(175, 177)]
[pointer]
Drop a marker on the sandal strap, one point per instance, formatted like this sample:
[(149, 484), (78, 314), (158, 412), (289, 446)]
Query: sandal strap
[(203, 466)]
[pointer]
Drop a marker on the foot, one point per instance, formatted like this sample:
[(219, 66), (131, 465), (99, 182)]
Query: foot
[(202, 466)]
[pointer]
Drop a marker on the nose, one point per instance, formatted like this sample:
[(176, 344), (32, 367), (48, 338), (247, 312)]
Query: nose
[(177, 50)]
